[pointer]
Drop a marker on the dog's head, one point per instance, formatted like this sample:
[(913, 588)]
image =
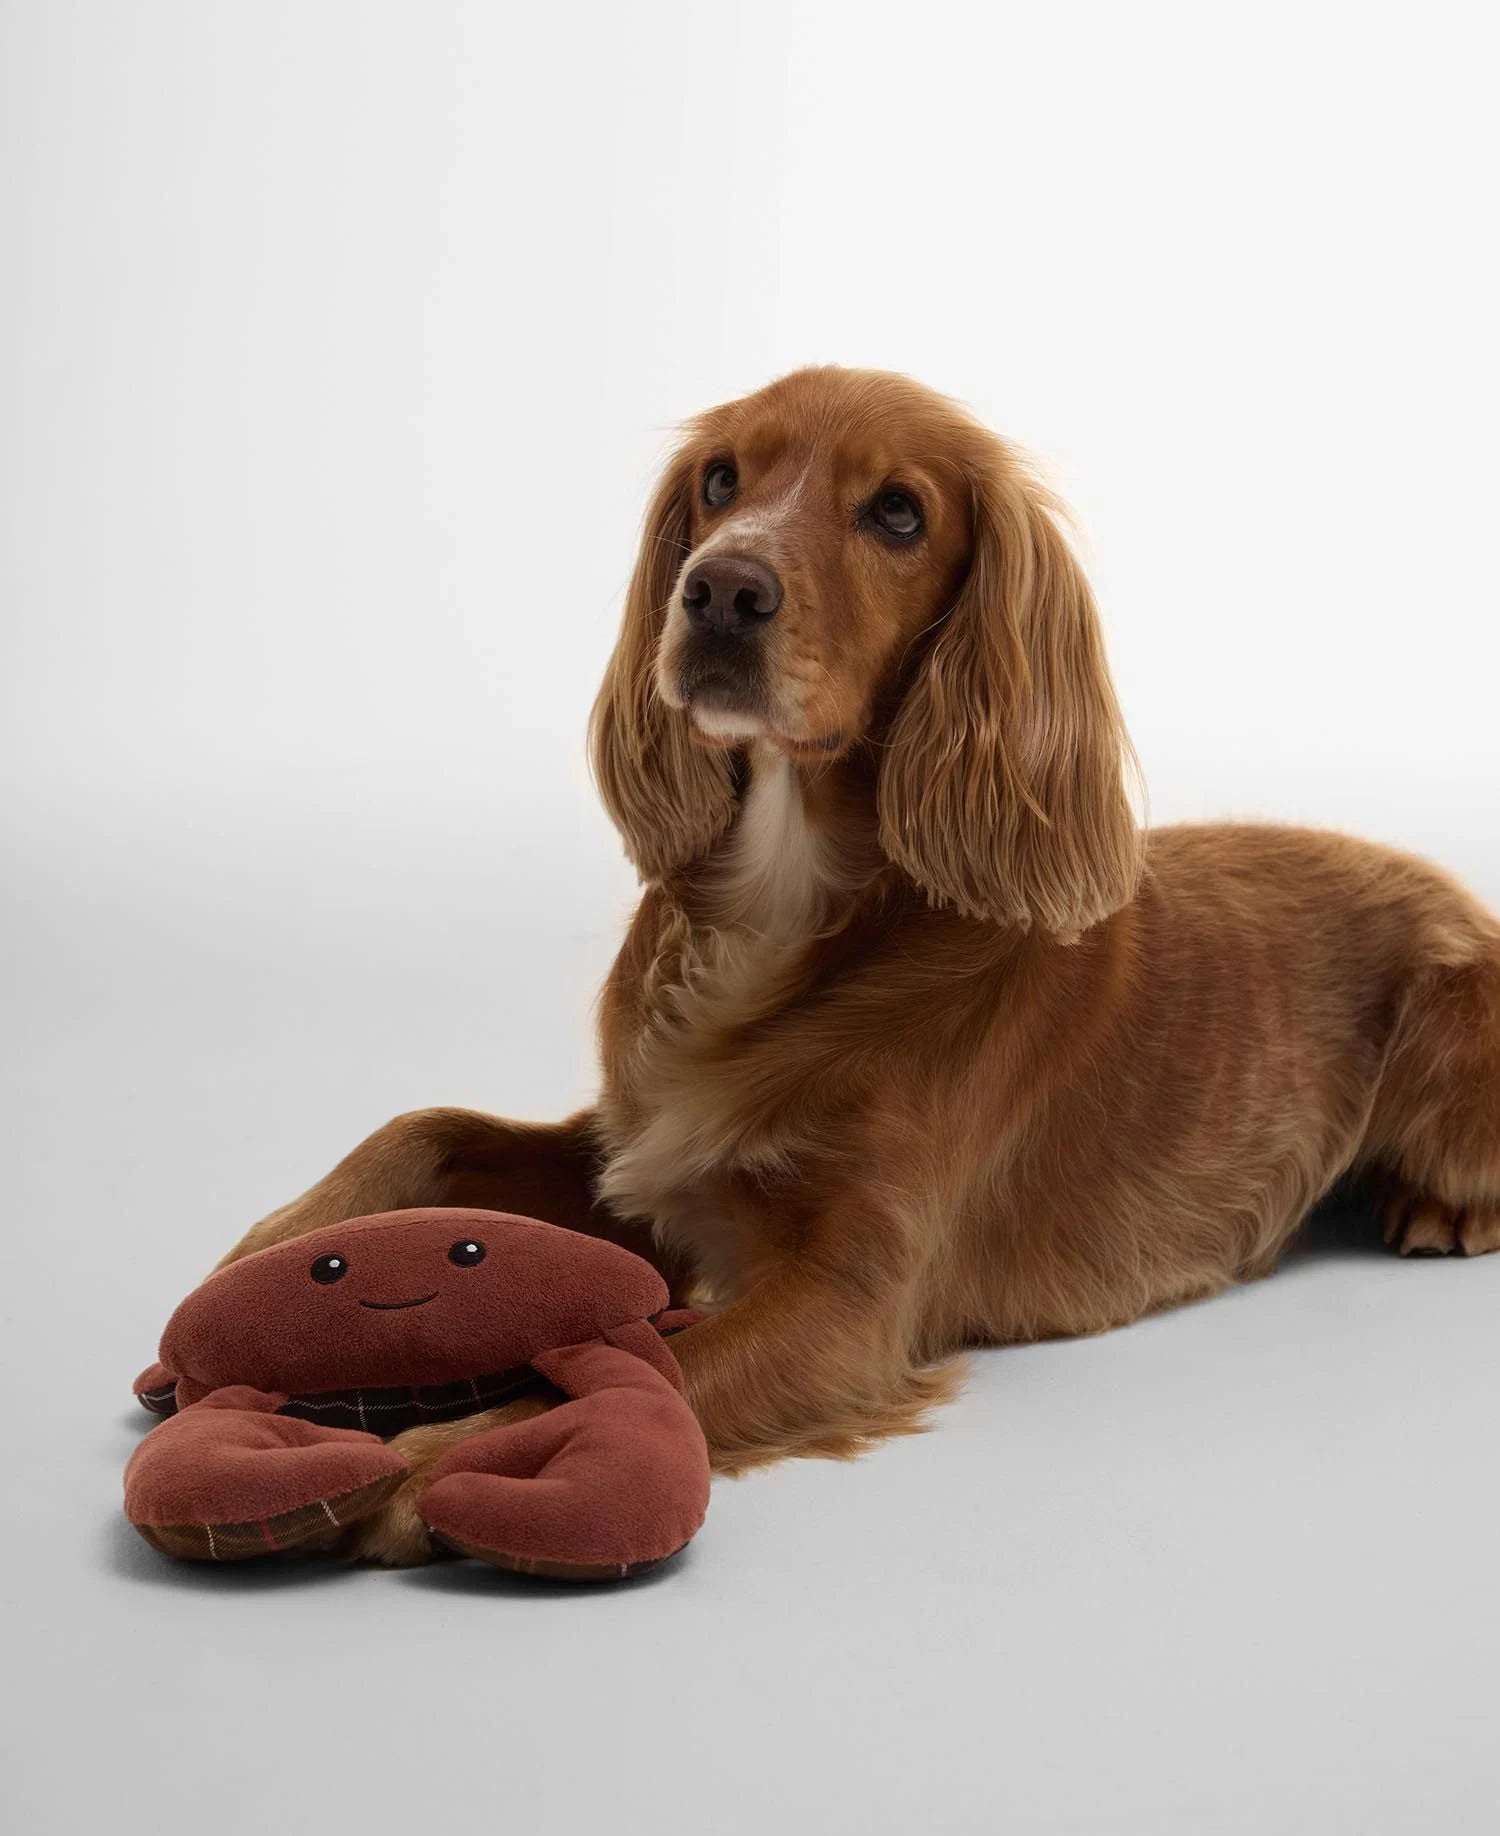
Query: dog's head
[(846, 559)]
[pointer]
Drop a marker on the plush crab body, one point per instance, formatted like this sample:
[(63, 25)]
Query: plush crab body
[(284, 1371)]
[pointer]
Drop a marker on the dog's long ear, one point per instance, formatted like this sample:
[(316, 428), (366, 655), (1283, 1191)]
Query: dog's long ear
[(1004, 788), (668, 798)]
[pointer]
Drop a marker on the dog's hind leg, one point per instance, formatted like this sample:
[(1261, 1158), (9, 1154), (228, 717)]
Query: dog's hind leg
[(1435, 1130)]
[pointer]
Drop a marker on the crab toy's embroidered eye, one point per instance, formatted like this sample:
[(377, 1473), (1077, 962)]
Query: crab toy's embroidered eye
[(329, 1269), (467, 1254)]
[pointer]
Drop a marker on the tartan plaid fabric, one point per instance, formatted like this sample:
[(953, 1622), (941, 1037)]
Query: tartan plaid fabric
[(387, 1412), (272, 1535), (550, 1570)]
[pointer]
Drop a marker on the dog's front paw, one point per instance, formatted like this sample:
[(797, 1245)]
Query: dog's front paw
[(394, 1535)]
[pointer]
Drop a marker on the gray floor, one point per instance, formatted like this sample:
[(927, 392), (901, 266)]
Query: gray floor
[(1233, 1569)]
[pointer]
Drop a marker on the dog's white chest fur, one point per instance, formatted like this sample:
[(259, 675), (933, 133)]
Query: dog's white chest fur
[(776, 878)]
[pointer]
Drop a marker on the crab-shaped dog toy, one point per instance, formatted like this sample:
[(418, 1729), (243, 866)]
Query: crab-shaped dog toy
[(283, 1372)]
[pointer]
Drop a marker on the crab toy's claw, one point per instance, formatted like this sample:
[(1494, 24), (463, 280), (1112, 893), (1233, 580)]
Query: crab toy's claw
[(227, 1478), (609, 1484)]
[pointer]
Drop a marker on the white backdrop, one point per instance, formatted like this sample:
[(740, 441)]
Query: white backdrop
[(340, 343)]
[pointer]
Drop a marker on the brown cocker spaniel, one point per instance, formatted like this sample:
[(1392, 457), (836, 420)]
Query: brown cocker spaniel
[(917, 1040)]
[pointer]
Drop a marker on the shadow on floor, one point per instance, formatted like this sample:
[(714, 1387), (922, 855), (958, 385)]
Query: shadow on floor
[(472, 1579), (128, 1555)]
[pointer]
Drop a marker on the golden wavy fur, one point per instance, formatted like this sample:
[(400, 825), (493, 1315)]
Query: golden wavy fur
[(916, 1041)]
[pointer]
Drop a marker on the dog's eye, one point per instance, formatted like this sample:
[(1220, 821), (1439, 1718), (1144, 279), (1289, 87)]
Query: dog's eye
[(329, 1269), (897, 513), (719, 484), (466, 1254)]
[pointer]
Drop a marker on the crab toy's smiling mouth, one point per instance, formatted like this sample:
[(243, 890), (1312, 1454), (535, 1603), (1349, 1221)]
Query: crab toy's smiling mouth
[(391, 1306)]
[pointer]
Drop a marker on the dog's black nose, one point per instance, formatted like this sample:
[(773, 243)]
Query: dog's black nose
[(729, 593)]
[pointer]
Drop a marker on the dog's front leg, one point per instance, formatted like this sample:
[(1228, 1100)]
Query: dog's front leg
[(544, 1170), (815, 1358)]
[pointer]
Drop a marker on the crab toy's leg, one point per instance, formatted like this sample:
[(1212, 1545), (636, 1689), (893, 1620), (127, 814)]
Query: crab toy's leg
[(609, 1484), (228, 1478), (156, 1390)]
